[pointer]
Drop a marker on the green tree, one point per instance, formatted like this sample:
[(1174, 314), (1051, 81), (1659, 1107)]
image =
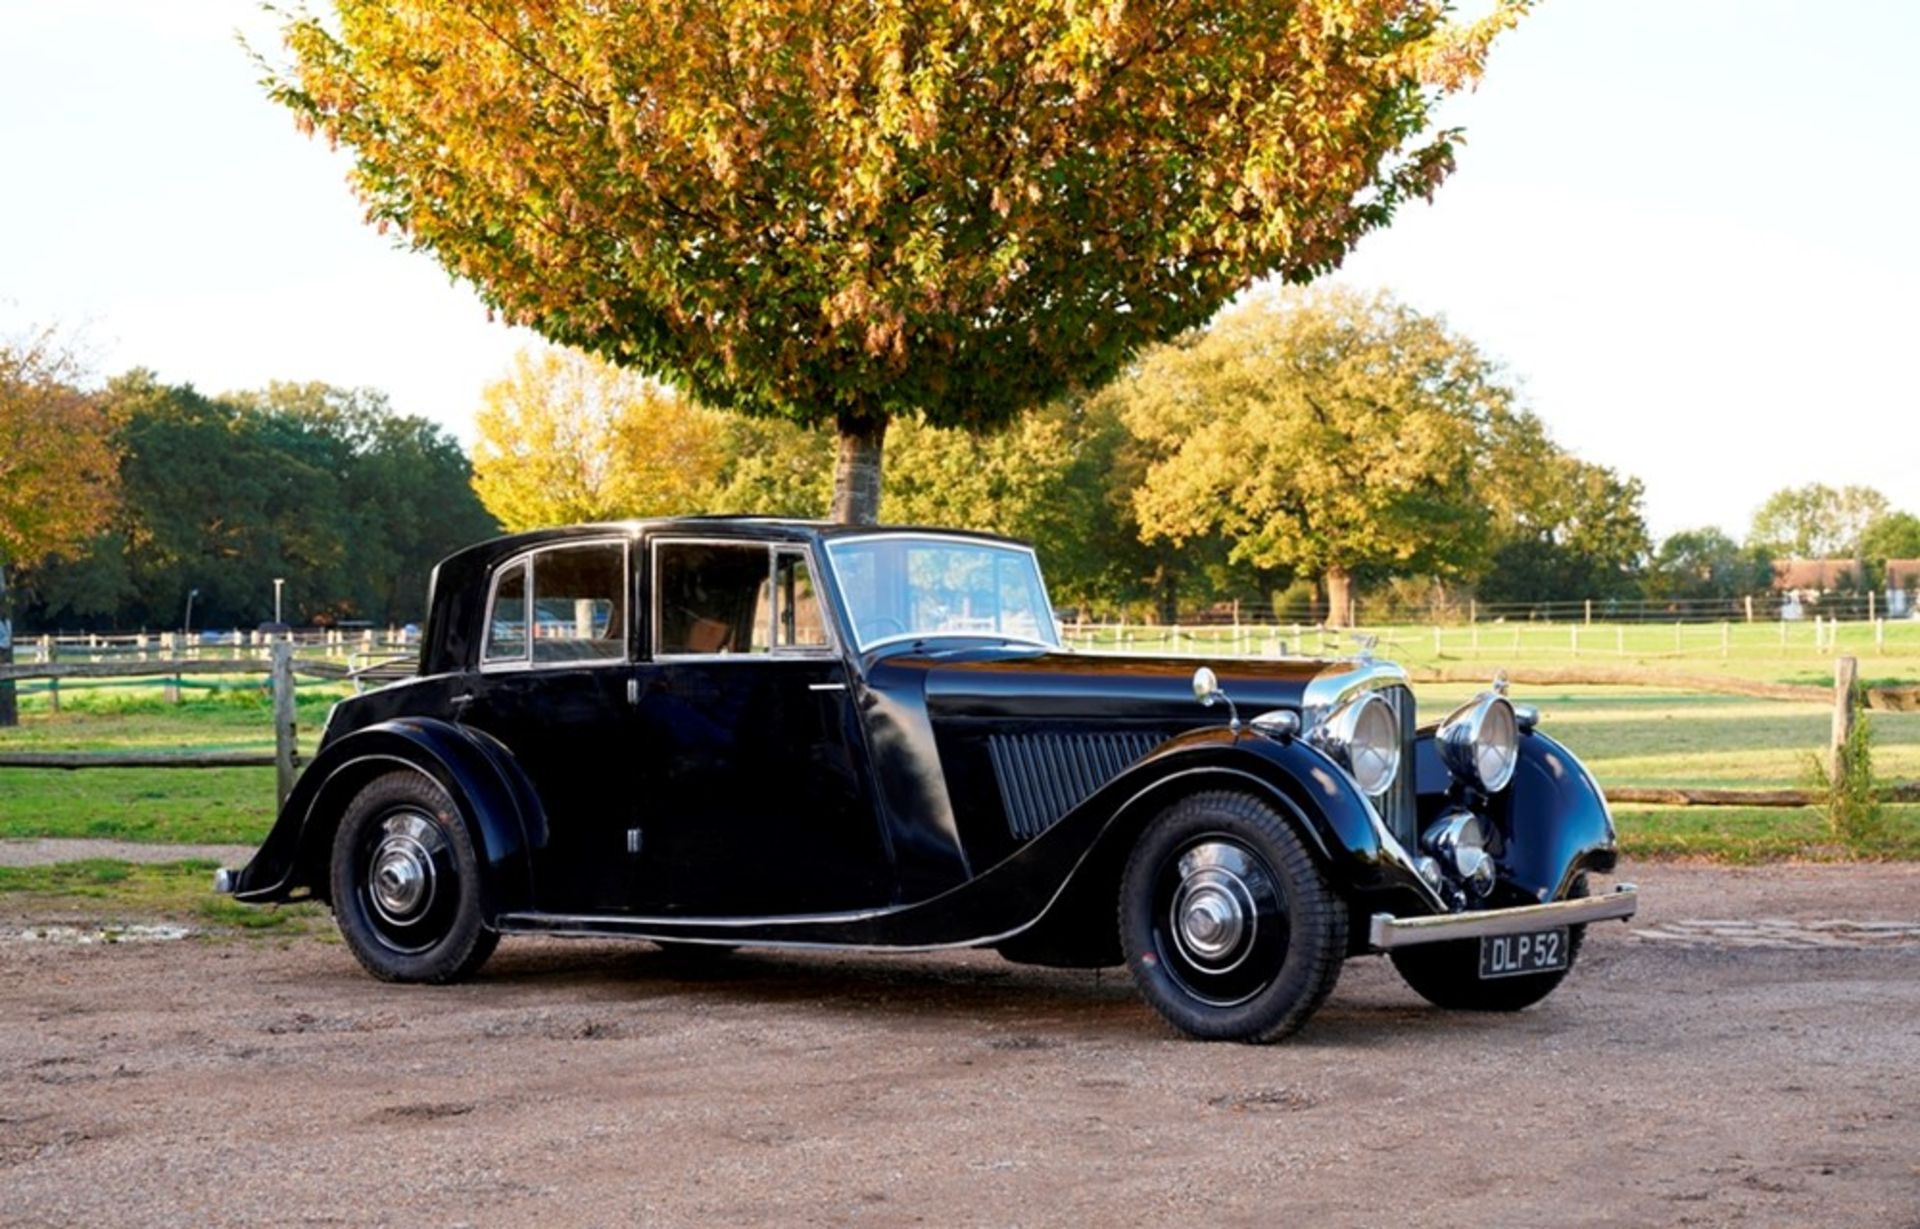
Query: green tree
[(1702, 564), (847, 214), (1328, 432), (1895, 535), (403, 485), (1565, 528), (57, 468), (1816, 521)]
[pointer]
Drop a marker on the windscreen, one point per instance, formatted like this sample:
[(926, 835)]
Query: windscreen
[(902, 587)]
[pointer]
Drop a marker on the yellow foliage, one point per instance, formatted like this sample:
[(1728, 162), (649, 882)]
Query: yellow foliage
[(565, 438)]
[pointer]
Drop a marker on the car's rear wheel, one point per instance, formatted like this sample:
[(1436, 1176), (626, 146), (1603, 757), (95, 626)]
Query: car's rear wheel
[(1448, 974), (406, 883), (1228, 923)]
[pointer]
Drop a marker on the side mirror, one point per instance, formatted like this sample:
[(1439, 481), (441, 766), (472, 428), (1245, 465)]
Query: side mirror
[(1207, 690)]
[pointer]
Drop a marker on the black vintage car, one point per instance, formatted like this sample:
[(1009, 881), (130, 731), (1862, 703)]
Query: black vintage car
[(742, 731)]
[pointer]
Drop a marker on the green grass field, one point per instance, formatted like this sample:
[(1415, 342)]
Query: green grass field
[(1771, 652), (1629, 736)]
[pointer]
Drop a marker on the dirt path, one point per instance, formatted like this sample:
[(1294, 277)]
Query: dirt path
[(1707, 1070), (45, 851)]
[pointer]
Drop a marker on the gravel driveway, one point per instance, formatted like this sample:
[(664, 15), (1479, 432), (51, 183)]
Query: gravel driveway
[(1746, 1052)]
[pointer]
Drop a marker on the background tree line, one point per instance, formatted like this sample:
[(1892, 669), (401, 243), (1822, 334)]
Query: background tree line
[(1304, 443), (1306, 446), (146, 492)]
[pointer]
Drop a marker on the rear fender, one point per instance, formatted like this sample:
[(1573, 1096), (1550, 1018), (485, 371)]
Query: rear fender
[(499, 808)]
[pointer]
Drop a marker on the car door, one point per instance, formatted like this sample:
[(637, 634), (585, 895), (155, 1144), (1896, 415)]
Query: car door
[(746, 721), (554, 687)]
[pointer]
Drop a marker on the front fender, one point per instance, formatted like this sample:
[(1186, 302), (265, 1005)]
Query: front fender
[(1337, 820), (501, 811), (1552, 818), (1091, 843)]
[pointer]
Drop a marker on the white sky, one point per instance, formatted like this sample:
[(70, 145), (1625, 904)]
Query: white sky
[(1686, 225)]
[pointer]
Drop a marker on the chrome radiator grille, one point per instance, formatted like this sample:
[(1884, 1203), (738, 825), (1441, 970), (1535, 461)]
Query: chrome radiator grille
[(1043, 776), (1399, 807)]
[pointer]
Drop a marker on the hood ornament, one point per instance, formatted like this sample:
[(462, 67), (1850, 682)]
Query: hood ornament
[(1366, 642)]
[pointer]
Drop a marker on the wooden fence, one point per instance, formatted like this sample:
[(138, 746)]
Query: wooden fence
[(278, 664), (281, 667)]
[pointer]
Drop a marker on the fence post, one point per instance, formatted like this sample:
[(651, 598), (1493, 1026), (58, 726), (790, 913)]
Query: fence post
[(1749, 607), (284, 728), (1589, 603), (1879, 635), (1845, 671), (9, 693), (170, 688), (53, 681)]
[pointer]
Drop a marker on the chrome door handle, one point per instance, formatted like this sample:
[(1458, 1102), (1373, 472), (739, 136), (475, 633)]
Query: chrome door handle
[(826, 686)]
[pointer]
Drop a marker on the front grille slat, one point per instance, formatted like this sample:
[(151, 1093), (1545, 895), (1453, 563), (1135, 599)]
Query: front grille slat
[(1399, 806)]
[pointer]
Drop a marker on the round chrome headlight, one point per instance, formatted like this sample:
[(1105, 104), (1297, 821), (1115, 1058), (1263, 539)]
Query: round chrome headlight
[(1363, 737), (1480, 742)]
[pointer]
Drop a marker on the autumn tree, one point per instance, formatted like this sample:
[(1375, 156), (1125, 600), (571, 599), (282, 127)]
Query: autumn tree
[(567, 437), (842, 214), (1329, 432), (57, 467)]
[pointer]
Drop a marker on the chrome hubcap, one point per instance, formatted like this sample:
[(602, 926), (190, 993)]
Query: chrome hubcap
[(400, 875), (1213, 916)]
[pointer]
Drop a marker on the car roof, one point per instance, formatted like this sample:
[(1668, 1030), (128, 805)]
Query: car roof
[(453, 590), (484, 554)]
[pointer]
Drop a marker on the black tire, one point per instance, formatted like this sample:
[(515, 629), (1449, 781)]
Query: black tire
[(1448, 974), (429, 927), (1264, 932)]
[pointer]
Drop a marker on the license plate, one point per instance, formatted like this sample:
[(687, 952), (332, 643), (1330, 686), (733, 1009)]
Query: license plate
[(1532, 951)]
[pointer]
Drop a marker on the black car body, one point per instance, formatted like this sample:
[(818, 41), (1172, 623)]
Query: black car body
[(742, 731)]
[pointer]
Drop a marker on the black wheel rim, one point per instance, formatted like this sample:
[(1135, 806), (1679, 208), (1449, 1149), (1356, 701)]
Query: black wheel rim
[(407, 885), (1220, 925)]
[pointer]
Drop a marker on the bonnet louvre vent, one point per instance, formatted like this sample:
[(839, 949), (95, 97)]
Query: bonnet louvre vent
[(1043, 776)]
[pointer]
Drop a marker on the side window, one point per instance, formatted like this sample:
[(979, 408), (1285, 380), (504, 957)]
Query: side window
[(579, 604), (711, 598), (798, 621), (507, 617)]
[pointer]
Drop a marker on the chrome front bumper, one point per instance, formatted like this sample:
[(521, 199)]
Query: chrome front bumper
[(1386, 931)]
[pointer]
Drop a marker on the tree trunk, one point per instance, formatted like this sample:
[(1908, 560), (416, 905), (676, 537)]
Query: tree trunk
[(1339, 596), (1167, 594), (9, 707), (856, 475)]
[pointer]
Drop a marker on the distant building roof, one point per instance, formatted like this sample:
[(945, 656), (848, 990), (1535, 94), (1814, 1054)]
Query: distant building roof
[(1817, 574)]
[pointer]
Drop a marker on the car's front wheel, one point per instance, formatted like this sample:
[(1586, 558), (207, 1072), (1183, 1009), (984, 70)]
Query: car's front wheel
[(1228, 923), (406, 883)]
